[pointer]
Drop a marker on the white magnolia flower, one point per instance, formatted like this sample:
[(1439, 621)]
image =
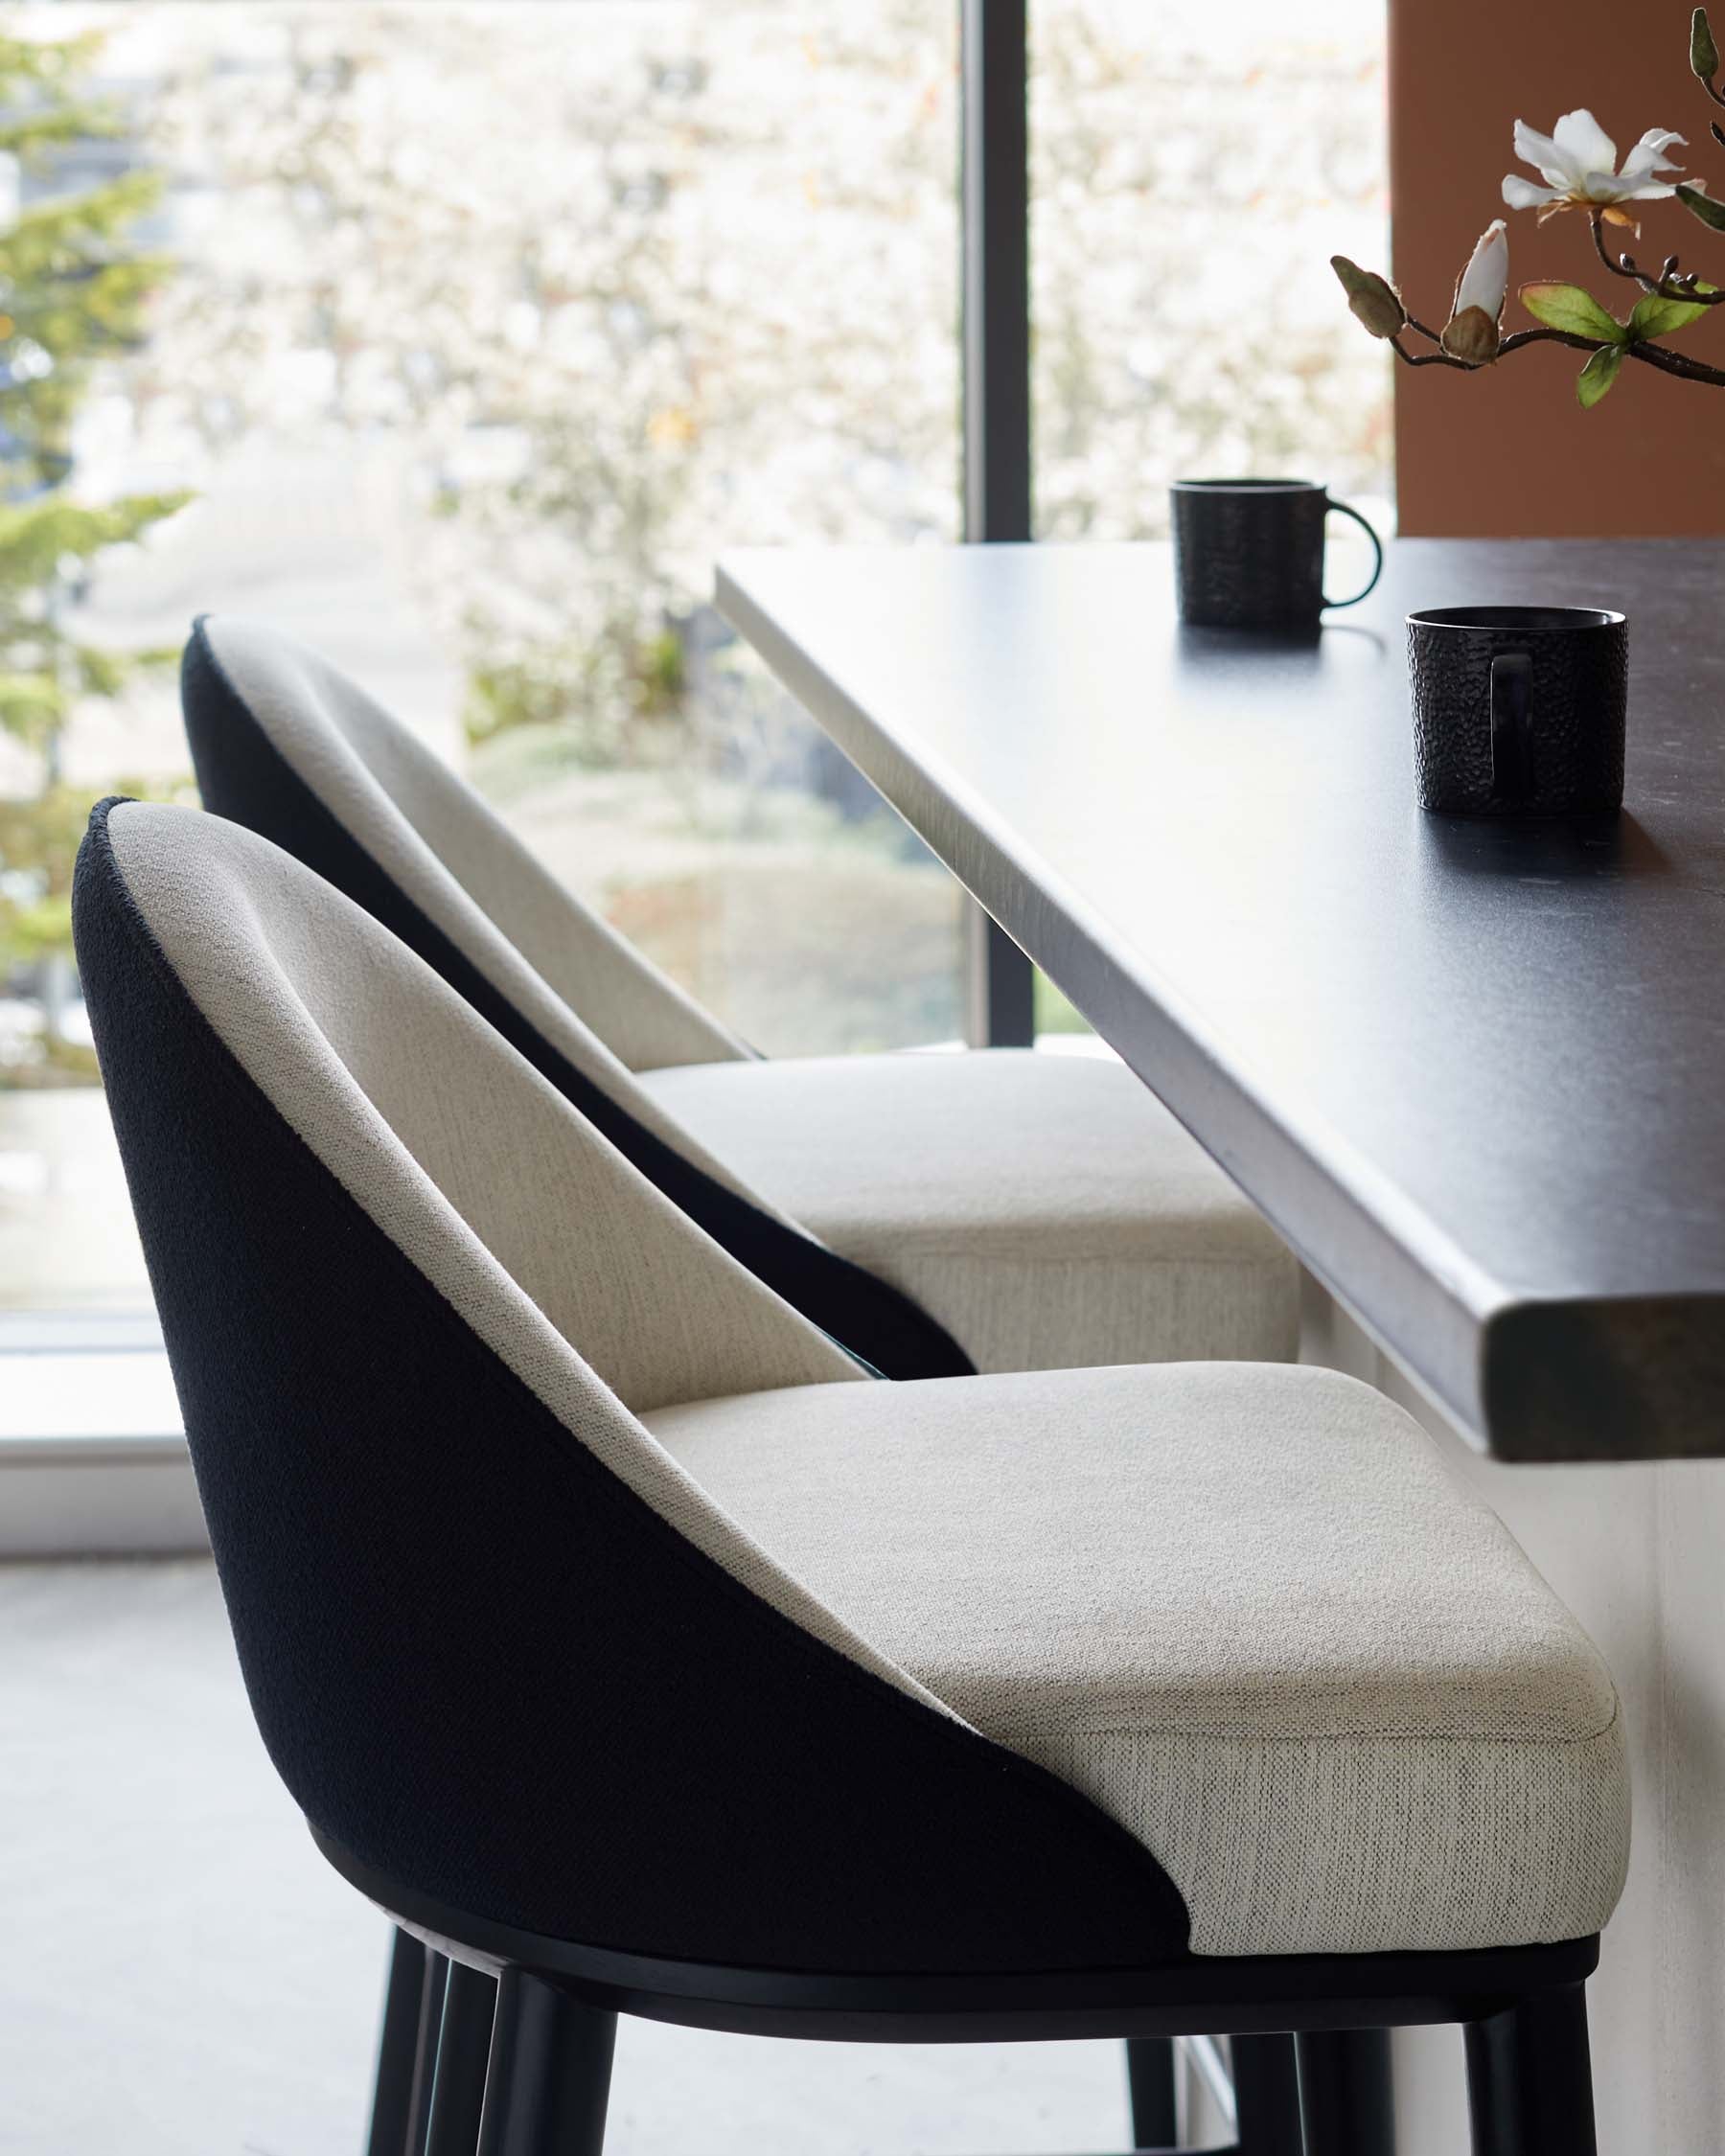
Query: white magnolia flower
[(1487, 277), (1471, 333), (1578, 160)]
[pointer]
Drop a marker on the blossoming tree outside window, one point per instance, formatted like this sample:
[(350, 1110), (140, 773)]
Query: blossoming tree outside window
[(1577, 163)]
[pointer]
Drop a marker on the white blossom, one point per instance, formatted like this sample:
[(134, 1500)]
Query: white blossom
[(1577, 161), (1487, 277)]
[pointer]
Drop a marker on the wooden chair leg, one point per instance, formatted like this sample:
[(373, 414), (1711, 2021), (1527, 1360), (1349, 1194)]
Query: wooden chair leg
[(1529, 2081), (463, 2054), (398, 2045), (1266, 2083), (1150, 2092), (1347, 2100), (549, 2081)]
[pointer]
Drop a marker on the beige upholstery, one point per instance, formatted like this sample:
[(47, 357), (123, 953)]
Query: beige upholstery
[(1239, 1605), (1047, 1209), (357, 759), (415, 816), (475, 1167), (1252, 1617)]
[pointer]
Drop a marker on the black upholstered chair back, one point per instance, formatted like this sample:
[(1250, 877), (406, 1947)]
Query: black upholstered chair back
[(500, 1647)]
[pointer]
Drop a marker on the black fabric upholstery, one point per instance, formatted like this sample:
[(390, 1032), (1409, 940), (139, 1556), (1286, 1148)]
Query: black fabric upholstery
[(479, 1662), (242, 776)]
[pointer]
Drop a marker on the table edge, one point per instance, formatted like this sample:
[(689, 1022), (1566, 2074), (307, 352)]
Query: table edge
[(1502, 1362)]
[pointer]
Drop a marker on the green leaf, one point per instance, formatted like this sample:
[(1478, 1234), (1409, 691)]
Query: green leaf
[(1371, 301), (1599, 375), (1570, 310), (1703, 206), (1656, 317), (1704, 54)]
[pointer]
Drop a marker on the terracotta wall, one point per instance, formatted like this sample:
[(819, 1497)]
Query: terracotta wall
[(1509, 451)]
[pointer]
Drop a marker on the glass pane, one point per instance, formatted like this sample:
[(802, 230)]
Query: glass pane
[(478, 330), (1195, 167)]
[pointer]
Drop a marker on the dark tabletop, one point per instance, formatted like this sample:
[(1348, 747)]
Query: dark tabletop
[(1475, 1073)]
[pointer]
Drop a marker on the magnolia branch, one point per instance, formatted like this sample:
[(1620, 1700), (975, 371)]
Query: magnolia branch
[(1579, 168), (1670, 284), (1651, 354)]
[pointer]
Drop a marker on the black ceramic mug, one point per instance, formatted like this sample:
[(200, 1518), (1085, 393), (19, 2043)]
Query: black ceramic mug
[(1519, 711), (1249, 553)]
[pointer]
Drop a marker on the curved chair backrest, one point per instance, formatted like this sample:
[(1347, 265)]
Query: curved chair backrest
[(286, 744), (502, 1648)]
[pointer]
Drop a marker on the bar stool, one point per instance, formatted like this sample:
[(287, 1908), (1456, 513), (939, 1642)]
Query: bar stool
[(621, 1642), (996, 1210)]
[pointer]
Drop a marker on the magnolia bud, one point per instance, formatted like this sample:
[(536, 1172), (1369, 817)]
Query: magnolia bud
[(1486, 279), (1702, 206), (1704, 54), (1371, 301), (1471, 335)]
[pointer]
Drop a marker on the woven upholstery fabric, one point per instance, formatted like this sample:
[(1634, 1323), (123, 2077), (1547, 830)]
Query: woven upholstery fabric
[(438, 837), (1252, 1617), (531, 1228), (830, 1673), (245, 777), (499, 1646), (1056, 1214), (349, 752), (1047, 1209)]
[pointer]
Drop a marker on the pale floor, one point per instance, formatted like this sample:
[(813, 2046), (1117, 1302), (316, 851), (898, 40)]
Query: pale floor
[(183, 1976)]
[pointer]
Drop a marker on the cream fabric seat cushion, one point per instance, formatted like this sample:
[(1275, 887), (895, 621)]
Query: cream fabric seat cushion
[(1047, 1209), (1251, 1615)]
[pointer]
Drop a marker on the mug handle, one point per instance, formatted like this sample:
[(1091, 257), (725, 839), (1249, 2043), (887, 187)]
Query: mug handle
[(1377, 548), (1511, 727)]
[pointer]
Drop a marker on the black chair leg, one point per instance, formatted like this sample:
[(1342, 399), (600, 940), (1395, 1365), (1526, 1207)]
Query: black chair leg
[(463, 2052), (392, 2092), (425, 2053), (1150, 2091), (549, 2081), (1266, 2080), (1346, 2094), (407, 2050), (1529, 2084)]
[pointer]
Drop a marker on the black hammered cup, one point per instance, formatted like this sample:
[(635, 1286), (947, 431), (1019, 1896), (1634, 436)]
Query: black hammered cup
[(1519, 711), (1249, 553)]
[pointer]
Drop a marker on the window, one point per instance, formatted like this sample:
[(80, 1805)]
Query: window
[(478, 331), (466, 336), (1194, 168)]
